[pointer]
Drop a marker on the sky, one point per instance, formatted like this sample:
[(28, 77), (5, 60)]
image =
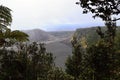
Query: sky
[(49, 15)]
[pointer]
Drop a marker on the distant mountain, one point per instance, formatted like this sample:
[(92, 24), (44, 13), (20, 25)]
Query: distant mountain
[(62, 34), (37, 35), (69, 27)]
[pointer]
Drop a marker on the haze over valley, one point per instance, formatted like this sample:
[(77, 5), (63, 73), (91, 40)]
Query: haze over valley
[(56, 42)]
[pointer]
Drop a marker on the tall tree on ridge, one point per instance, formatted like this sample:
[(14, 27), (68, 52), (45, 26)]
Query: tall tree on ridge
[(104, 49), (74, 63), (103, 9)]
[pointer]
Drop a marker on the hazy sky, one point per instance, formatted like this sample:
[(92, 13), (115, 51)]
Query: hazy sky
[(48, 14)]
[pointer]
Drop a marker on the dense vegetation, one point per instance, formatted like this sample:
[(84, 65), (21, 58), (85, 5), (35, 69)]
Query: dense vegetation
[(98, 60)]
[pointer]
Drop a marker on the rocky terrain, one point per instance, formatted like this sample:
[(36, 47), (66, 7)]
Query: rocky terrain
[(57, 43)]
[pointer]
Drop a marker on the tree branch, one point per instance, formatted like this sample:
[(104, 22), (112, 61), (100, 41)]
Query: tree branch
[(116, 19)]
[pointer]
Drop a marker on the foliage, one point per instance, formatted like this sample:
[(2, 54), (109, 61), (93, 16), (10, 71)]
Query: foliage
[(101, 8), (96, 54), (102, 54), (5, 17), (29, 62), (89, 33), (58, 74), (19, 36), (100, 61), (117, 40), (11, 67), (74, 63), (6, 35), (9, 37)]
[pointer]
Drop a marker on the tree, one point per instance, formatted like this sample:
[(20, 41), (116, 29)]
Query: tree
[(74, 63), (5, 20), (58, 74), (38, 62), (11, 68), (5, 17), (10, 37), (100, 61), (103, 53), (5, 33), (27, 63), (117, 56), (103, 9)]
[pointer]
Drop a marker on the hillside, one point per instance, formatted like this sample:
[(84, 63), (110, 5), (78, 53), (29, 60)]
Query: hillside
[(57, 43), (60, 52), (62, 34), (91, 34)]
